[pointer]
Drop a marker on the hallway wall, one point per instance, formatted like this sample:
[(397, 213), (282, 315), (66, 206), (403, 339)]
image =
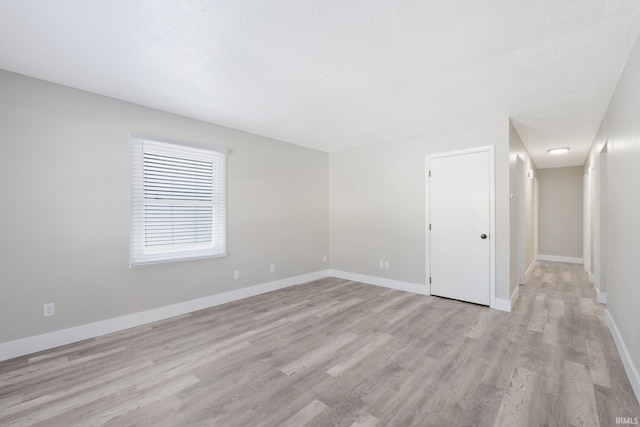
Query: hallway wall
[(517, 149), (620, 131), (560, 214)]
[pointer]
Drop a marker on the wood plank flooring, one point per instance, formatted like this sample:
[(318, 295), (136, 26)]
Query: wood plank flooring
[(339, 353)]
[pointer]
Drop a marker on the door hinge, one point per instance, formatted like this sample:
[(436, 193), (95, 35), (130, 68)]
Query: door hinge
[(429, 280), (429, 227), (429, 174)]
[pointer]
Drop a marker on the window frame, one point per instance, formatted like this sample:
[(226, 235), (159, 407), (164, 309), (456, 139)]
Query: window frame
[(140, 254)]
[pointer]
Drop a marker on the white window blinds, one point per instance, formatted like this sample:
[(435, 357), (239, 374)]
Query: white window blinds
[(178, 202)]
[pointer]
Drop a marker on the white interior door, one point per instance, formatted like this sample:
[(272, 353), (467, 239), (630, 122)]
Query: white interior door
[(460, 221)]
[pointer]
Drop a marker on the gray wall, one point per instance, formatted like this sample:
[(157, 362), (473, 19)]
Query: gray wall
[(64, 222), (378, 203), (620, 130), (560, 211), (518, 150)]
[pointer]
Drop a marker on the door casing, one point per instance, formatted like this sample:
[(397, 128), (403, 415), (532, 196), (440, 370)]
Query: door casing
[(492, 215)]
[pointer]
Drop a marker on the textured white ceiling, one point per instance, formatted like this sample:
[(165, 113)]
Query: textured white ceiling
[(336, 74)]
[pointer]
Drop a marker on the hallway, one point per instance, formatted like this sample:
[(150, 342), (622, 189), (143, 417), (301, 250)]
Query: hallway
[(566, 353)]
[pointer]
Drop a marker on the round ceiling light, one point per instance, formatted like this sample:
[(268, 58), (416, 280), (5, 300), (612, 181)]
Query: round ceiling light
[(559, 150)]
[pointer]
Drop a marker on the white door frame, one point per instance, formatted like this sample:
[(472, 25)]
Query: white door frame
[(535, 218), (492, 214), (600, 226), (586, 219), (520, 168)]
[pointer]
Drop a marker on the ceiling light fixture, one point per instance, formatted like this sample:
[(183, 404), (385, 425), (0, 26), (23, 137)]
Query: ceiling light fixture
[(558, 150)]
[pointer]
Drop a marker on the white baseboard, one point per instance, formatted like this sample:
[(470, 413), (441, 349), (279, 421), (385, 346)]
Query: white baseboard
[(503, 305), (629, 366), (556, 258), (398, 285), (49, 340), (507, 305), (601, 296), (416, 288), (514, 297), (527, 274)]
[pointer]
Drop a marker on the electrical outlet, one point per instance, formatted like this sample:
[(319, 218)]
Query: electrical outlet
[(324, 258), (381, 264), (236, 274), (273, 268), (386, 265), (48, 309)]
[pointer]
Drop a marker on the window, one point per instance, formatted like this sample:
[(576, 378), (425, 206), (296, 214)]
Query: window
[(178, 202)]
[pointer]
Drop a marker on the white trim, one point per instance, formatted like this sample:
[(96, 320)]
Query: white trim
[(205, 238), (514, 296), (398, 285), (600, 226), (508, 304), (503, 304), (520, 170), (592, 279), (586, 226), (178, 142), (50, 340), (535, 216), (492, 215), (627, 361), (557, 258), (527, 274)]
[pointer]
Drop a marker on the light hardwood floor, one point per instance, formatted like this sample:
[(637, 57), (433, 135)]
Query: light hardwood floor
[(340, 353)]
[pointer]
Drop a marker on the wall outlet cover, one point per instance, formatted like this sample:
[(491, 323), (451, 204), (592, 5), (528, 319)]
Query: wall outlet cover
[(48, 309)]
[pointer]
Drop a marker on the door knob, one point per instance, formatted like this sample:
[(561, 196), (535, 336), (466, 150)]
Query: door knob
[(483, 236)]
